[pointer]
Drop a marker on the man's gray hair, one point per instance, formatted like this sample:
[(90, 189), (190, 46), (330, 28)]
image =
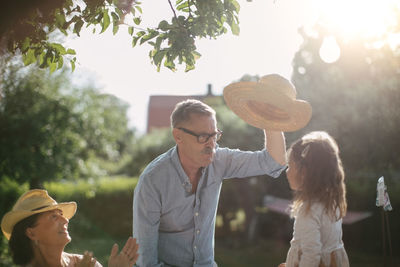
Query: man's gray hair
[(184, 109)]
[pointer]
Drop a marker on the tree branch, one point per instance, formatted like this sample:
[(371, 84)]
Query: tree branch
[(173, 10)]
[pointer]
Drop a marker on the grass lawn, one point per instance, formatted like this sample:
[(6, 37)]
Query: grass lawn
[(229, 254)]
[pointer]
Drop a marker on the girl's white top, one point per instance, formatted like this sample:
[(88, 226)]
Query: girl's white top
[(315, 236)]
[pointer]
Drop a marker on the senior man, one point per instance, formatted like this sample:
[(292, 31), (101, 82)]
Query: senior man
[(176, 198)]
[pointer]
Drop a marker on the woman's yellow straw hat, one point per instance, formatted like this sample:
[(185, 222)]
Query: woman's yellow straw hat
[(33, 202), (268, 104)]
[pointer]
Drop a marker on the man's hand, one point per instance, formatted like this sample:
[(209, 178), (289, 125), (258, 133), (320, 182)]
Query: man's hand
[(127, 257)]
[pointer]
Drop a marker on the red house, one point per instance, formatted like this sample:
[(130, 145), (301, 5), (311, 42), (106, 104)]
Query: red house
[(161, 106)]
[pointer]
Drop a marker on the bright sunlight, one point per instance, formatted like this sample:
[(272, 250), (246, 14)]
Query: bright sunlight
[(358, 18), (355, 19)]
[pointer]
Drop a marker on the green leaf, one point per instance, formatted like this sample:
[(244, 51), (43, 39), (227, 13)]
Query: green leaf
[(235, 28), (106, 21), (189, 67), (159, 40), (115, 17), (170, 65), (78, 26), (70, 51), (52, 67), (59, 48), (158, 57), (130, 30), (183, 5), (25, 44), (163, 25), (196, 55), (134, 40), (29, 57), (236, 5), (60, 18), (138, 8), (119, 12), (137, 20), (73, 63), (60, 63), (149, 36), (115, 29), (186, 9), (140, 34)]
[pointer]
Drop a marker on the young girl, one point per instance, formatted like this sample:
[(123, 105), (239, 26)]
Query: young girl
[(315, 173)]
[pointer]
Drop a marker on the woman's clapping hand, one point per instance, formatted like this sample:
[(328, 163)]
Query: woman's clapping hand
[(128, 255)]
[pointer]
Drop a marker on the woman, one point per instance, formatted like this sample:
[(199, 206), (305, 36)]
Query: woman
[(37, 230)]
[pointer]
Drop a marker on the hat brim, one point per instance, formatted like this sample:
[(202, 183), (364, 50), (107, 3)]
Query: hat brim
[(266, 108), (13, 217)]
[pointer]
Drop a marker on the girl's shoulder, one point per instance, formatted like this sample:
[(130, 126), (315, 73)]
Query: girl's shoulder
[(317, 211)]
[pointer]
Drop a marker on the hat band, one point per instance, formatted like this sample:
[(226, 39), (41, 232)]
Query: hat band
[(267, 111), (42, 207)]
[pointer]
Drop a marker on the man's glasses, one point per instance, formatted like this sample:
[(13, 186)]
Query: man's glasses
[(203, 138)]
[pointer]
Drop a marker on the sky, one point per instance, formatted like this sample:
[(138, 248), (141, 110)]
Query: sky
[(267, 43)]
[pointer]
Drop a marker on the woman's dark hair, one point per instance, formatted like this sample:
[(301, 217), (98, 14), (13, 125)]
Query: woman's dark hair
[(20, 244)]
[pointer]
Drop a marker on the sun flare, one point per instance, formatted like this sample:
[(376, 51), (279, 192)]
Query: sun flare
[(358, 18)]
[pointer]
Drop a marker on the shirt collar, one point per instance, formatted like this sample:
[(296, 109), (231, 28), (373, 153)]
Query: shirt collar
[(184, 179)]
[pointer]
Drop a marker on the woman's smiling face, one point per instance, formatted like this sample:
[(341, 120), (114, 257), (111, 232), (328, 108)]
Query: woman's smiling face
[(51, 228)]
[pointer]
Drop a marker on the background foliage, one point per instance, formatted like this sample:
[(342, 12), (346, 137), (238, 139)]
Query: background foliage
[(50, 130), (75, 141), (33, 28)]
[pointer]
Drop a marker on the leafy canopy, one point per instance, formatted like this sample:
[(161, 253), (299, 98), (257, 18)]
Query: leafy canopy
[(51, 130), (356, 98), (29, 27)]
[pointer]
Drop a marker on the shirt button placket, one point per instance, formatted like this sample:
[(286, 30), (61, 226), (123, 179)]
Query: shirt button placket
[(196, 226)]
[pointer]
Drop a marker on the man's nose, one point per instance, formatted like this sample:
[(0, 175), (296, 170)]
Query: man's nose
[(212, 140)]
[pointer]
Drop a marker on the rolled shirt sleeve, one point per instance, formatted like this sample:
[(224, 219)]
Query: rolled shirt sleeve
[(239, 164)]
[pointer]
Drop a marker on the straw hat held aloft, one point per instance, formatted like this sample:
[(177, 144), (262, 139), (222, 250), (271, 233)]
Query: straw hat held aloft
[(269, 104)]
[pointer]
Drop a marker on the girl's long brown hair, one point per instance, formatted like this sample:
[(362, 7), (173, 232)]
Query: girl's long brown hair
[(316, 157)]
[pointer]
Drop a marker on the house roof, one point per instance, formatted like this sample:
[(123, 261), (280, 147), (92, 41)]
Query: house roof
[(161, 106), (160, 109)]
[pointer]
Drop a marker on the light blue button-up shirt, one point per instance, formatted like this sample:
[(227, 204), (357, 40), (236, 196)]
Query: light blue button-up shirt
[(175, 227)]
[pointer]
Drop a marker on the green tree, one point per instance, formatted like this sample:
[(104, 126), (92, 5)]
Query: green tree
[(49, 130), (147, 148), (355, 99), (29, 27)]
